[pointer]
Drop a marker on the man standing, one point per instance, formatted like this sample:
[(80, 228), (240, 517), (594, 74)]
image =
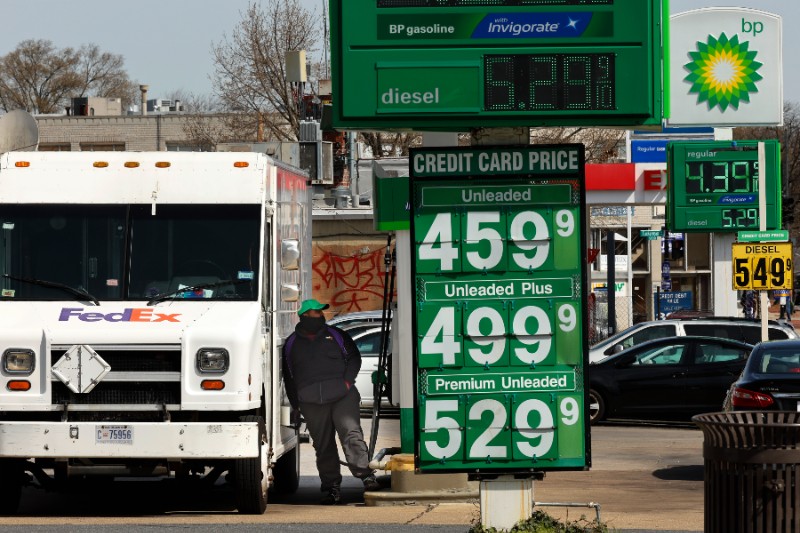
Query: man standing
[(748, 302), (320, 365)]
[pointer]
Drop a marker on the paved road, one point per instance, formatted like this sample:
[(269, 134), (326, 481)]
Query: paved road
[(645, 478)]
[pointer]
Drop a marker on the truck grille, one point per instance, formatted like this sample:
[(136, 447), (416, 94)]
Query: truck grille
[(111, 393), (139, 376)]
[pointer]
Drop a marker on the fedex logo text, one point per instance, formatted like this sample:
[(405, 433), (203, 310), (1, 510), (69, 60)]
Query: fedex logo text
[(128, 315)]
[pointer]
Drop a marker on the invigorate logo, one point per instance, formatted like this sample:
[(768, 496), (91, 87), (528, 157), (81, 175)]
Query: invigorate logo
[(532, 25), (127, 315)]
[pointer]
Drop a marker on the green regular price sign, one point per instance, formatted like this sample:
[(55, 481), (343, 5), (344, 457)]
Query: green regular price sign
[(499, 268), (714, 186)]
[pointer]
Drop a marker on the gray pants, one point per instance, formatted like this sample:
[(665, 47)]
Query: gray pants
[(324, 422)]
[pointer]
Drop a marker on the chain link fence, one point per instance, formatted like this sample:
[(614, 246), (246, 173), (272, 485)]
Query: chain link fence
[(598, 315)]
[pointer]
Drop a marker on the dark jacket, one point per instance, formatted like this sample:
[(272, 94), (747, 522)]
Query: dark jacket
[(317, 368)]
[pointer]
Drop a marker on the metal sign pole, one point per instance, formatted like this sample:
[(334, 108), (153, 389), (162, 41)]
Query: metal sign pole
[(762, 226)]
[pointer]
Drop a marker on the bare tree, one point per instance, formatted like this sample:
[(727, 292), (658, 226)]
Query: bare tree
[(103, 74), (383, 144), (789, 137), (39, 78), (250, 66), (602, 145), (195, 103)]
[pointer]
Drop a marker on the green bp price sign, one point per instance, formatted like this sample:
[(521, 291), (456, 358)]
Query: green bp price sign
[(499, 254), (713, 186)]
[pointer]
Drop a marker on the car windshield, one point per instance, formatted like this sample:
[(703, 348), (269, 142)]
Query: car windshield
[(129, 252), (637, 335), (778, 361), (369, 344), (612, 339)]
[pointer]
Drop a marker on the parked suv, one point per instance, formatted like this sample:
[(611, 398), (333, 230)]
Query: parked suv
[(740, 329)]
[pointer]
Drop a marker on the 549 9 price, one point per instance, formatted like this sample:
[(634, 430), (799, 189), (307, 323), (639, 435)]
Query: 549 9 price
[(766, 272)]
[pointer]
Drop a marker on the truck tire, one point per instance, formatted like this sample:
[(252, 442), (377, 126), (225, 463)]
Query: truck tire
[(251, 475), (12, 477), (287, 472)]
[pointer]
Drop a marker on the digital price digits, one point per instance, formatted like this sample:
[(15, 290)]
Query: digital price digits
[(709, 177), (740, 218), (549, 82)]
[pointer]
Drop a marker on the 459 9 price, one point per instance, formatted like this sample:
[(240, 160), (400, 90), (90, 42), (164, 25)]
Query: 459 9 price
[(491, 240)]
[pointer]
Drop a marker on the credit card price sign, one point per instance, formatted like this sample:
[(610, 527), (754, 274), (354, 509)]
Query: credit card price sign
[(432, 64), (499, 291)]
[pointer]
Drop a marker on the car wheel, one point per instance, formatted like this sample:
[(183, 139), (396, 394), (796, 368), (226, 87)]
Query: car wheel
[(597, 407), (251, 475)]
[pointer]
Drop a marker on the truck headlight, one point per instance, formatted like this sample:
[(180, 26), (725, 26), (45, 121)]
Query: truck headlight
[(19, 361), (212, 360)]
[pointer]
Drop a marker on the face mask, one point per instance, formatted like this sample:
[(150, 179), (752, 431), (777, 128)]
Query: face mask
[(312, 323)]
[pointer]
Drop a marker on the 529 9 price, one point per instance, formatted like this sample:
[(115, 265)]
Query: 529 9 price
[(494, 429)]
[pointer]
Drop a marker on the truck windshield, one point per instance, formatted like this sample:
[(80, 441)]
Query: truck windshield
[(125, 252)]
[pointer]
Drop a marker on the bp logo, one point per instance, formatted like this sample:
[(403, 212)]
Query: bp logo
[(723, 72)]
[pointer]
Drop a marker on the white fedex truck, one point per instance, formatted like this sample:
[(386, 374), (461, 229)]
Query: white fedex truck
[(145, 298)]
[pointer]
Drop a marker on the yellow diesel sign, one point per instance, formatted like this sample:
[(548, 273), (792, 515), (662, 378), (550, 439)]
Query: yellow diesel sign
[(762, 266)]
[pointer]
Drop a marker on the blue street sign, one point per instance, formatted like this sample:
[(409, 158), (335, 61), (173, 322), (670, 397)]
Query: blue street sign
[(669, 302)]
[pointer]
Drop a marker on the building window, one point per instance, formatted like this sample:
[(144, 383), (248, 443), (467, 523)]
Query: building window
[(54, 147), (184, 147), (103, 147), (673, 249)]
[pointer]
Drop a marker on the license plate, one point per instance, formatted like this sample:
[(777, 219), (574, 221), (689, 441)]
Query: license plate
[(114, 434)]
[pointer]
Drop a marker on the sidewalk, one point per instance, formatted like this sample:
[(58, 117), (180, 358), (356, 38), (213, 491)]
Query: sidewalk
[(774, 314)]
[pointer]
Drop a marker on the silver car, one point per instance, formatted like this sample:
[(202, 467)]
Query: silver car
[(740, 329)]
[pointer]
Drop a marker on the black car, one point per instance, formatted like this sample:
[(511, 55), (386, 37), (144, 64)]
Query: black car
[(672, 378), (770, 380)]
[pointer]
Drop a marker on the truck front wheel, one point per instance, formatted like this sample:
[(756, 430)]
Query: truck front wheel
[(12, 477), (251, 475)]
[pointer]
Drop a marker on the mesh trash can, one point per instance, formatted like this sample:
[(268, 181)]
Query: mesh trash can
[(751, 464)]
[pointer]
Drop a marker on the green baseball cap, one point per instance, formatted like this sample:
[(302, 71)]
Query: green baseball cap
[(308, 305)]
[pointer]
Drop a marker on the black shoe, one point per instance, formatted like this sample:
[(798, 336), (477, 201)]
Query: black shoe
[(371, 483), (333, 497)]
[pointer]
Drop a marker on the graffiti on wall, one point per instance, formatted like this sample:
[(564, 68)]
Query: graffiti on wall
[(349, 275)]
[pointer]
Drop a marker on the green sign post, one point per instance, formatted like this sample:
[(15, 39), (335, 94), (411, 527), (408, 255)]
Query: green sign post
[(713, 186), (451, 64), (498, 241)]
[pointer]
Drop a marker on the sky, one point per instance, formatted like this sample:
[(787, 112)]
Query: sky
[(167, 44)]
